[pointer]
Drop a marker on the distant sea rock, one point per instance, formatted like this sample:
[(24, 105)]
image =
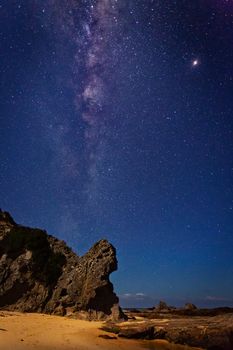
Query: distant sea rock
[(190, 307), (39, 273)]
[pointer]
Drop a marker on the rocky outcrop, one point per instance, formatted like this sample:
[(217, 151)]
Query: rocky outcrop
[(190, 307), (163, 311), (211, 333), (39, 273)]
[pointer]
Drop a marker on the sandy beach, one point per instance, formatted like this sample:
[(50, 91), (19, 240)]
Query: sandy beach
[(20, 331)]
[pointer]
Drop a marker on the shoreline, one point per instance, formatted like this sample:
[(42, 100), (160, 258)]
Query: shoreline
[(21, 331)]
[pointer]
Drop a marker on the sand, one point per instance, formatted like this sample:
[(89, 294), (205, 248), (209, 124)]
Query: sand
[(43, 332)]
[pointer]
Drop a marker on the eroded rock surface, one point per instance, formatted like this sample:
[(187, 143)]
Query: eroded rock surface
[(206, 332), (39, 273)]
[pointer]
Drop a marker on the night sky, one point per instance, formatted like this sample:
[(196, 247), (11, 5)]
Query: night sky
[(116, 122)]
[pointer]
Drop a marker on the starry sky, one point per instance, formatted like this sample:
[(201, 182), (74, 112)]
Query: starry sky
[(116, 122)]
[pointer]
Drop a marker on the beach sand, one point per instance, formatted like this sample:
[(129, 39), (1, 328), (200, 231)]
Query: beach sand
[(20, 331)]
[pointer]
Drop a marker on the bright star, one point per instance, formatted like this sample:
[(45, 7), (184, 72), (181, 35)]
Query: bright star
[(195, 62)]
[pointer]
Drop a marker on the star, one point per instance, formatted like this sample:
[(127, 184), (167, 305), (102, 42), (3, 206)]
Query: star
[(195, 62)]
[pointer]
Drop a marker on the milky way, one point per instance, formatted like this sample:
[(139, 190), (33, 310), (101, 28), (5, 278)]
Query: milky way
[(100, 30), (95, 41)]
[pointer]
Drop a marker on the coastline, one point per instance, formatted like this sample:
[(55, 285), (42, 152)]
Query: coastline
[(28, 331)]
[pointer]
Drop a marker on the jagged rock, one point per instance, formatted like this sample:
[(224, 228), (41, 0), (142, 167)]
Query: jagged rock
[(190, 307), (162, 306), (207, 332), (39, 273)]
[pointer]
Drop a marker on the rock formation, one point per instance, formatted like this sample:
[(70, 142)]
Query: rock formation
[(206, 332), (39, 273)]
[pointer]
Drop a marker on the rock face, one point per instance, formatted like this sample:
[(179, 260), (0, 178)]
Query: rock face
[(39, 273)]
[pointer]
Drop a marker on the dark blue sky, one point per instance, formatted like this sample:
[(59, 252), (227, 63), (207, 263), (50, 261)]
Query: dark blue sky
[(116, 122)]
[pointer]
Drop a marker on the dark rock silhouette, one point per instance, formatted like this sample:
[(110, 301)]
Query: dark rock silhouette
[(39, 273), (190, 307), (162, 306)]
